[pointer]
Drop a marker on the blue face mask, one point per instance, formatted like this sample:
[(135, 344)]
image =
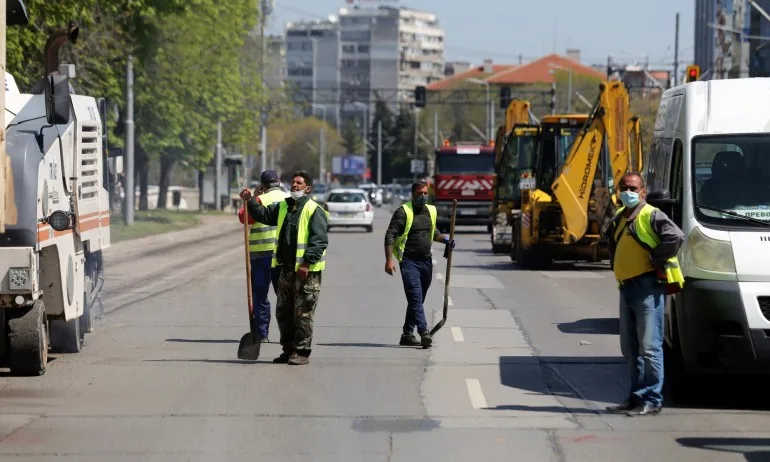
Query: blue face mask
[(420, 201), (629, 198)]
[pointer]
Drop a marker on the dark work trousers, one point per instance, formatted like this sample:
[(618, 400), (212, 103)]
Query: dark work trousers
[(261, 277), (417, 276)]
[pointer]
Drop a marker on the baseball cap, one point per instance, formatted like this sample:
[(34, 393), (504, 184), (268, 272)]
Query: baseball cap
[(269, 176)]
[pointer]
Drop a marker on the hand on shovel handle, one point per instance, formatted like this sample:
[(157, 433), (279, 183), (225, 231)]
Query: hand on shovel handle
[(250, 343)]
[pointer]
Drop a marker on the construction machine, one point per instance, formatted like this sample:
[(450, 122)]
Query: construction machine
[(51, 253), (569, 199), (515, 138)]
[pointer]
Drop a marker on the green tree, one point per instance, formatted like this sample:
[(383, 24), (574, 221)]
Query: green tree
[(351, 139), (301, 147)]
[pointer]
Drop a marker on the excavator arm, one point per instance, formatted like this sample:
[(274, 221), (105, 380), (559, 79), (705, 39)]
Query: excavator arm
[(516, 114), (608, 121), (635, 138)]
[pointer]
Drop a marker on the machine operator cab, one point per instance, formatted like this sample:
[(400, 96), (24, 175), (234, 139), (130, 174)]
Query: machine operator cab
[(709, 170)]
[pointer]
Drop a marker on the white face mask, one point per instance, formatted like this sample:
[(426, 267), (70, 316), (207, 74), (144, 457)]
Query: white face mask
[(297, 195)]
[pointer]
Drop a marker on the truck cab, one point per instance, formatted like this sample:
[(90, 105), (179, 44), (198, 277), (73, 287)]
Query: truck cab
[(466, 172)]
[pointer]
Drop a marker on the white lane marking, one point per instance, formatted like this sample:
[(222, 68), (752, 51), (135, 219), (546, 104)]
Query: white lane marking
[(435, 262), (449, 301), (477, 396), (457, 334), (439, 276)]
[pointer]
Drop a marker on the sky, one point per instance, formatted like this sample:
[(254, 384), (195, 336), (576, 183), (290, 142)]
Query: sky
[(631, 31)]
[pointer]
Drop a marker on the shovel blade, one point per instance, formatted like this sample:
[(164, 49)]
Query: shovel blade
[(248, 348), (437, 326)]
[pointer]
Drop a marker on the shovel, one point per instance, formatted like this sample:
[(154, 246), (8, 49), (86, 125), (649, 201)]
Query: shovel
[(251, 341), (448, 255)]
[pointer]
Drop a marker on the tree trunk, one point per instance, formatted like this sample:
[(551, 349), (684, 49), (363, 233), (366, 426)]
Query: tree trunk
[(142, 174), (166, 165)]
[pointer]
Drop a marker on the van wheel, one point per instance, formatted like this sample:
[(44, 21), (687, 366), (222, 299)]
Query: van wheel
[(369, 229), (27, 340), (681, 385)]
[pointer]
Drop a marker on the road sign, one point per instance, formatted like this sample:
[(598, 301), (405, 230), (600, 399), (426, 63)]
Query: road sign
[(417, 167)]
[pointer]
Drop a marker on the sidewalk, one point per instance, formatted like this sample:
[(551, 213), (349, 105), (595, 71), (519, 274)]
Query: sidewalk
[(211, 225)]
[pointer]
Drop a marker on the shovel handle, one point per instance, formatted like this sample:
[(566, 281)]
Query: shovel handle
[(246, 232)]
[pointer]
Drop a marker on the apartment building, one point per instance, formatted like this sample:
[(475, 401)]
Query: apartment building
[(312, 65)]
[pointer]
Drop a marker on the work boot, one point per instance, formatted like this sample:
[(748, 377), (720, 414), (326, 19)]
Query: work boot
[(283, 358), (409, 340), (298, 360), (425, 339), (621, 408)]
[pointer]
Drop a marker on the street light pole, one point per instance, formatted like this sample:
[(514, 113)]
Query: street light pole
[(490, 114), (365, 130)]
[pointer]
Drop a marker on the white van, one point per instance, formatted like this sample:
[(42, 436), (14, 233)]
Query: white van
[(709, 169)]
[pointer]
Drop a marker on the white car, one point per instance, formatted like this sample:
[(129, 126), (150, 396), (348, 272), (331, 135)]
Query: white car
[(348, 208)]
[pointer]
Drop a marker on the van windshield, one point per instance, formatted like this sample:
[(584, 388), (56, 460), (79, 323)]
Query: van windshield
[(731, 174)]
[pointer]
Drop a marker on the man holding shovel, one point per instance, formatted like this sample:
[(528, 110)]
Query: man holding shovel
[(301, 253), (262, 244), (411, 232)]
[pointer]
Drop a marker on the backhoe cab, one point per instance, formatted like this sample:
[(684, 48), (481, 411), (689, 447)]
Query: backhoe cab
[(569, 200), (513, 138)]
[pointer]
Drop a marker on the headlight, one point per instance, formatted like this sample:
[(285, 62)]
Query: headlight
[(710, 254)]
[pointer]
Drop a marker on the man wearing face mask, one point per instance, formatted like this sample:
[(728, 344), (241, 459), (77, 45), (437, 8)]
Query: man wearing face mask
[(643, 244), (301, 253), (411, 232)]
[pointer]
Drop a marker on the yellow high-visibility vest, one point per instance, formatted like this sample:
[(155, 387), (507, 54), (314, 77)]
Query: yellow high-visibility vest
[(400, 244), (303, 233), (263, 239), (642, 232)]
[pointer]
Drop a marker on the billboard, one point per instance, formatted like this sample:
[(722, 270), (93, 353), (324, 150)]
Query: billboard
[(348, 165), (731, 22)]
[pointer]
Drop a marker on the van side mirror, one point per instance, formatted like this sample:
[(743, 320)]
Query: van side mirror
[(58, 104), (661, 199)]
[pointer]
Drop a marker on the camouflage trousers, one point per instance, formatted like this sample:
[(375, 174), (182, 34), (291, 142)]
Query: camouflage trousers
[(294, 311)]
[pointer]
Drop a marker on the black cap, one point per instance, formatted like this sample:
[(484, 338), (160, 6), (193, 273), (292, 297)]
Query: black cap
[(269, 176)]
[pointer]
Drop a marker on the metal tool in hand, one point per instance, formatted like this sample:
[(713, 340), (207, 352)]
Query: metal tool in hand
[(448, 254), (250, 343)]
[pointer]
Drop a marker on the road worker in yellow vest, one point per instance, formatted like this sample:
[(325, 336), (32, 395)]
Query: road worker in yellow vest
[(643, 244), (301, 229), (409, 237), (262, 244)]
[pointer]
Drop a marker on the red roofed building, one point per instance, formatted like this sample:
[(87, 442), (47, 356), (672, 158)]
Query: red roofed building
[(538, 71)]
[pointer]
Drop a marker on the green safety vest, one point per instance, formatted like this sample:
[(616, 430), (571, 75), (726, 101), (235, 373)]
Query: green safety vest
[(400, 243), (263, 238), (303, 233), (642, 232)]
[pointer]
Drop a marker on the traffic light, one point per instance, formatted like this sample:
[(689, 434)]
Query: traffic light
[(693, 73), (505, 97), (419, 96)]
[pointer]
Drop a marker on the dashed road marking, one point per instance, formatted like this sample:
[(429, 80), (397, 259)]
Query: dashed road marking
[(439, 276), (457, 334), (435, 262), (449, 301), (477, 396)]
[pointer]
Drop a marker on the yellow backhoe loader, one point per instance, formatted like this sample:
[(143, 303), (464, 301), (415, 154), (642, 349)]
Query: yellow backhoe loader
[(569, 199)]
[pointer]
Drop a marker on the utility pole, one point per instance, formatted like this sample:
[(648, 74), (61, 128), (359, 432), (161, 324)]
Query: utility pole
[(676, 52), (435, 130), (263, 115), (218, 169), (379, 152), (416, 134), (322, 156), (128, 207)]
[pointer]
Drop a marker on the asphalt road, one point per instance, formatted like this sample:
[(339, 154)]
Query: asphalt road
[(521, 371)]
